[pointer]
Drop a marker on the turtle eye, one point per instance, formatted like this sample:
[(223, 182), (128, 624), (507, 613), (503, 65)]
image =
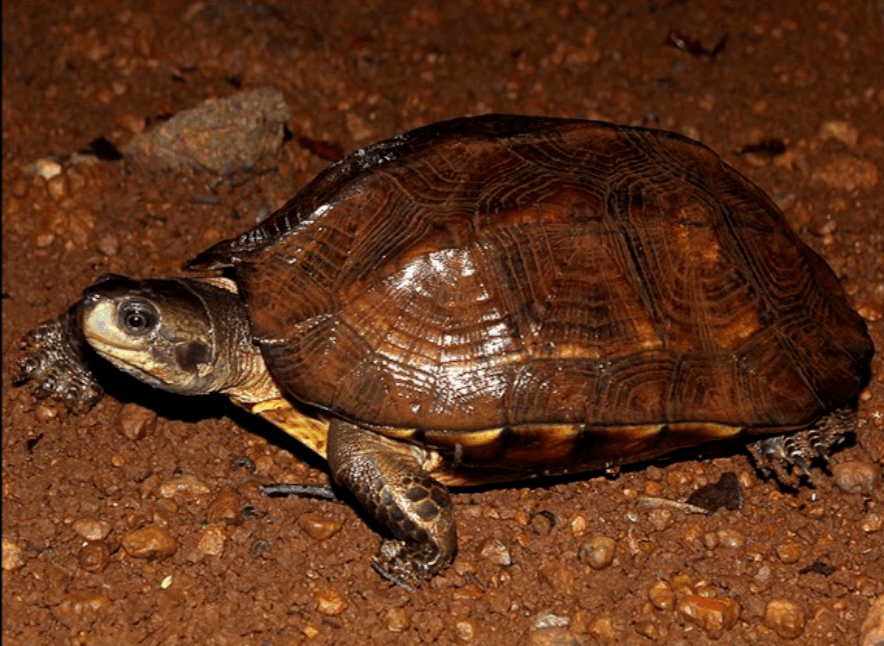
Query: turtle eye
[(137, 317)]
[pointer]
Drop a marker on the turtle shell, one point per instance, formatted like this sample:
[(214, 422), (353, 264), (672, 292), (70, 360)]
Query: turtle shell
[(533, 281)]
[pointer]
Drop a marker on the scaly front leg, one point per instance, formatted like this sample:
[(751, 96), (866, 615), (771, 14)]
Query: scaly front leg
[(387, 478), (53, 358)]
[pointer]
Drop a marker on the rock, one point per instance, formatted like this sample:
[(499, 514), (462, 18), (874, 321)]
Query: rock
[(330, 602), (857, 477), (494, 551), (212, 540), (785, 617), (662, 596), (872, 631), (219, 136), (840, 131), (597, 552), (94, 556), (91, 529), (136, 422), (464, 631), (318, 526), (397, 620), (549, 629), (13, 555), (150, 543), (81, 607), (187, 485), (715, 616), (225, 508), (789, 552)]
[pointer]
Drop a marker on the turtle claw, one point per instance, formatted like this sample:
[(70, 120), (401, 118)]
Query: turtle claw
[(407, 564), (388, 574), (53, 361), (788, 458)]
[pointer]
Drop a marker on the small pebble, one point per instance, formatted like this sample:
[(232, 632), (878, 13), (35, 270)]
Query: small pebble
[(150, 542), (188, 485), (857, 477), (318, 526), (225, 508), (872, 522), (871, 311), (464, 631), (109, 245), (43, 412), (597, 552), (789, 552), (470, 592), (661, 519), (13, 555), (872, 631), (310, 631), (45, 168), (603, 629), (662, 596), (57, 187), (550, 629), (785, 617), (44, 239), (579, 526), (841, 131), (763, 575), (715, 616), (730, 538), (330, 602), (94, 556), (212, 540), (494, 551), (397, 620), (647, 628), (81, 607), (91, 529), (136, 422), (682, 584), (710, 540), (264, 464)]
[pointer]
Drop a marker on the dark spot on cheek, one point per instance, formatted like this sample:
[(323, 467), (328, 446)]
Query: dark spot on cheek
[(190, 355)]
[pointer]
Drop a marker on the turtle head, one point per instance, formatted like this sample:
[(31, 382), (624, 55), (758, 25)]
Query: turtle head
[(176, 335)]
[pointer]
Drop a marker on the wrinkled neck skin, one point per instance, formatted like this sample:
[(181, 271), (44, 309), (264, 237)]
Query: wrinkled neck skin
[(238, 369)]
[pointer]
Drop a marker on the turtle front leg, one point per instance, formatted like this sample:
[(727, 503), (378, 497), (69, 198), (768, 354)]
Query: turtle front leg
[(53, 359), (387, 478)]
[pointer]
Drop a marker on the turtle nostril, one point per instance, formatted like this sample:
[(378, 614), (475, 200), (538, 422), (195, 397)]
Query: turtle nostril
[(90, 298)]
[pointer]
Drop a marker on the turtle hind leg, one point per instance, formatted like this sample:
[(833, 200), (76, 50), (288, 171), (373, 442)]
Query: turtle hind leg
[(783, 455), (388, 480), (53, 360)]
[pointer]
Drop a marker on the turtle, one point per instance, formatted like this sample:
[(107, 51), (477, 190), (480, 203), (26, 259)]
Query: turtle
[(493, 299)]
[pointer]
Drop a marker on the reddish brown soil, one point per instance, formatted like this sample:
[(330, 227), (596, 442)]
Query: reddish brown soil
[(249, 570)]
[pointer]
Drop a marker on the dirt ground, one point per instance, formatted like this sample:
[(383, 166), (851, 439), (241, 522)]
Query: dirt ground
[(141, 522)]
